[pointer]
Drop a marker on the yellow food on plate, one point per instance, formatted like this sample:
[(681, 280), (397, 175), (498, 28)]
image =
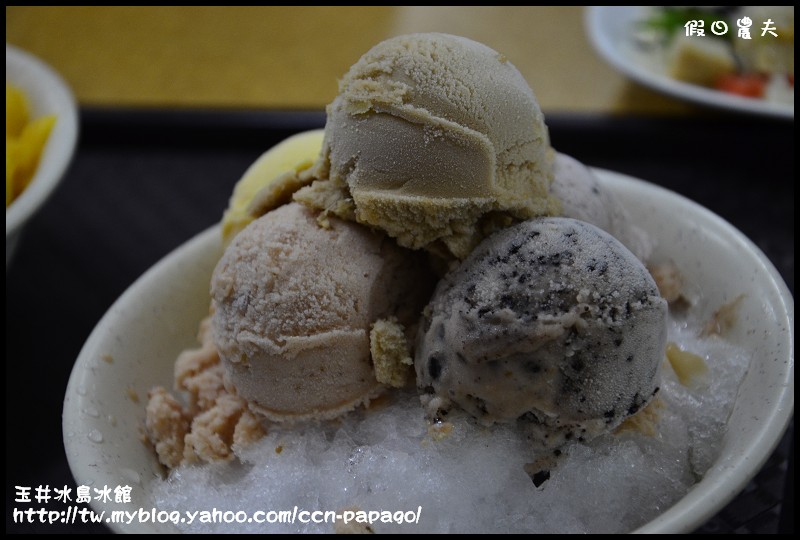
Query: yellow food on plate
[(9, 175), (291, 157), (16, 111), (25, 141), (699, 61)]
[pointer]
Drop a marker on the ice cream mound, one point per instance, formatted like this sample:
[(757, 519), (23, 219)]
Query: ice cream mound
[(473, 480), (537, 358)]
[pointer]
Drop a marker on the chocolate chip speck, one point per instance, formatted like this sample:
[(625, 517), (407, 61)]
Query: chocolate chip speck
[(434, 367), (540, 478)]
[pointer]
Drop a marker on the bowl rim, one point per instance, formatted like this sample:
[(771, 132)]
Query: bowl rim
[(61, 143), (696, 506)]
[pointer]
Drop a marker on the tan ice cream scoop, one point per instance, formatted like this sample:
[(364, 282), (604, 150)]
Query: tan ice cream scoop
[(293, 304), (438, 140)]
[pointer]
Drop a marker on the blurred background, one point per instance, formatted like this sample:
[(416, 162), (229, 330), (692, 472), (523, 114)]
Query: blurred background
[(176, 103), (291, 57)]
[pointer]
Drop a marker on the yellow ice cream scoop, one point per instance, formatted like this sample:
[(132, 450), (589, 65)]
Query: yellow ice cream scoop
[(292, 156)]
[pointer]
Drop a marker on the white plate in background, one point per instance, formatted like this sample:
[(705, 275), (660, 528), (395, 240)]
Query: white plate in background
[(610, 32)]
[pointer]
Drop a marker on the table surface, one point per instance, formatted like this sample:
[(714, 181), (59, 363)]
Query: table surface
[(291, 57)]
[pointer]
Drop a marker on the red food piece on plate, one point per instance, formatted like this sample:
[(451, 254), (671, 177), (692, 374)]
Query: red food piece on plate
[(748, 85)]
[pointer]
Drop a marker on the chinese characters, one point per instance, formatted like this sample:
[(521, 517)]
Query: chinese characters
[(696, 27), (83, 494)]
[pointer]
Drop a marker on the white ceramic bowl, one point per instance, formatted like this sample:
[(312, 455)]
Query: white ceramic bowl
[(134, 347), (47, 93)]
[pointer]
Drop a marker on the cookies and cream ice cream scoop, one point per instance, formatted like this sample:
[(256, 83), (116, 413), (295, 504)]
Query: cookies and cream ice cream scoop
[(552, 323)]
